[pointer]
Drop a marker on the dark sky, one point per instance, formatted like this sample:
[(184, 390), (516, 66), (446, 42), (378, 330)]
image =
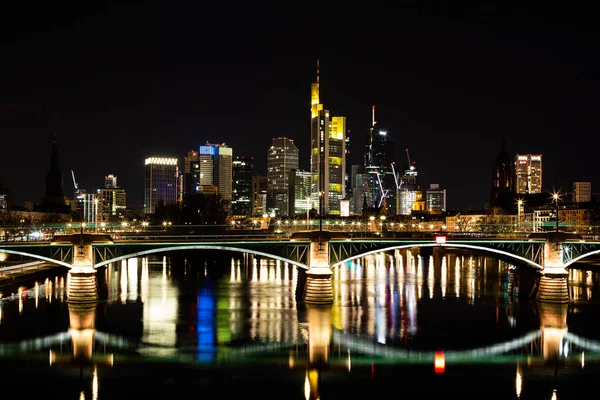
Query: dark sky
[(119, 83)]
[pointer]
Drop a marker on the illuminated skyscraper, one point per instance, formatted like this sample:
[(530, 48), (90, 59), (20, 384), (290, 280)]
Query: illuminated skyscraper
[(282, 157), (160, 182), (215, 163), (528, 172), (327, 156)]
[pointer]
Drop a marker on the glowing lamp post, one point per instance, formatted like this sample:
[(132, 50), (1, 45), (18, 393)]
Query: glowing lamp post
[(555, 197)]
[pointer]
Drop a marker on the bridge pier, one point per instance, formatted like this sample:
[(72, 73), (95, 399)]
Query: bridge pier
[(318, 288), (82, 286), (552, 286)]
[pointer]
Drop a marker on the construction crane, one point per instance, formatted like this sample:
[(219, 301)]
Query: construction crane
[(74, 182)]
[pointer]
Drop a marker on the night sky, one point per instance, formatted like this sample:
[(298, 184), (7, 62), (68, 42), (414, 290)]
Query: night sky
[(120, 83)]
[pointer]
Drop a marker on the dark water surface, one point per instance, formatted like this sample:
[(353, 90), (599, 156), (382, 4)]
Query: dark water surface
[(208, 324)]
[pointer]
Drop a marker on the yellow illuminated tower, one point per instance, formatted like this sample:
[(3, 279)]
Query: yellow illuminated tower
[(327, 156)]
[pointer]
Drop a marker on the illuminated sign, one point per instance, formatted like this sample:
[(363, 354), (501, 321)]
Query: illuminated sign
[(439, 362), (440, 239), (206, 150)]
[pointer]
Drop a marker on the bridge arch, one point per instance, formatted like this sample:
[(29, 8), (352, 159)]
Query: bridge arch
[(580, 257), (200, 247), (505, 254), (36, 256)]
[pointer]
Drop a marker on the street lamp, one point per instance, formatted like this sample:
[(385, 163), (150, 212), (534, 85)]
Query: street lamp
[(519, 205), (555, 197), (307, 211), (96, 214)]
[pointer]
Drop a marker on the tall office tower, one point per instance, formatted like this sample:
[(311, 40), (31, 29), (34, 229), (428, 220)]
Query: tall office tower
[(216, 171), (160, 182), (436, 199), (327, 156), (299, 192), (528, 173), (224, 173), (241, 201), (582, 192), (191, 173), (112, 200), (282, 157), (348, 172), (503, 180), (378, 162), (205, 166), (259, 195)]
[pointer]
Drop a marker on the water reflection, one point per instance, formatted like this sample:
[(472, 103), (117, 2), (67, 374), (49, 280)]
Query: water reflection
[(407, 313)]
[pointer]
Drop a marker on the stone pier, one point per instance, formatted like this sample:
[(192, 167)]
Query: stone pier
[(318, 288), (553, 283), (82, 286)]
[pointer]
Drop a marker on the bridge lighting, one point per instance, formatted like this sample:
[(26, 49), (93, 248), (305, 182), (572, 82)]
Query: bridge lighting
[(440, 239)]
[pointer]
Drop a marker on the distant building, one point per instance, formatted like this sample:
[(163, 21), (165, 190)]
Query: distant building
[(191, 173), (582, 192), (215, 162), (299, 192), (241, 203), (282, 157), (112, 200), (160, 182), (259, 195), (528, 173), (436, 199)]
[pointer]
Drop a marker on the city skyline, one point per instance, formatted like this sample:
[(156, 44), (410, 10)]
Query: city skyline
[(447, 84)]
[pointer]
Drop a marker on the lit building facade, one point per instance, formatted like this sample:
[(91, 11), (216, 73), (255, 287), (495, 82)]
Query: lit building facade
[(259, 195), (215, 169), (528, 173), (112, 200), (436, 199), (327, 156), (282, 157), (299, 192), (160, 182), (582, 192)]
